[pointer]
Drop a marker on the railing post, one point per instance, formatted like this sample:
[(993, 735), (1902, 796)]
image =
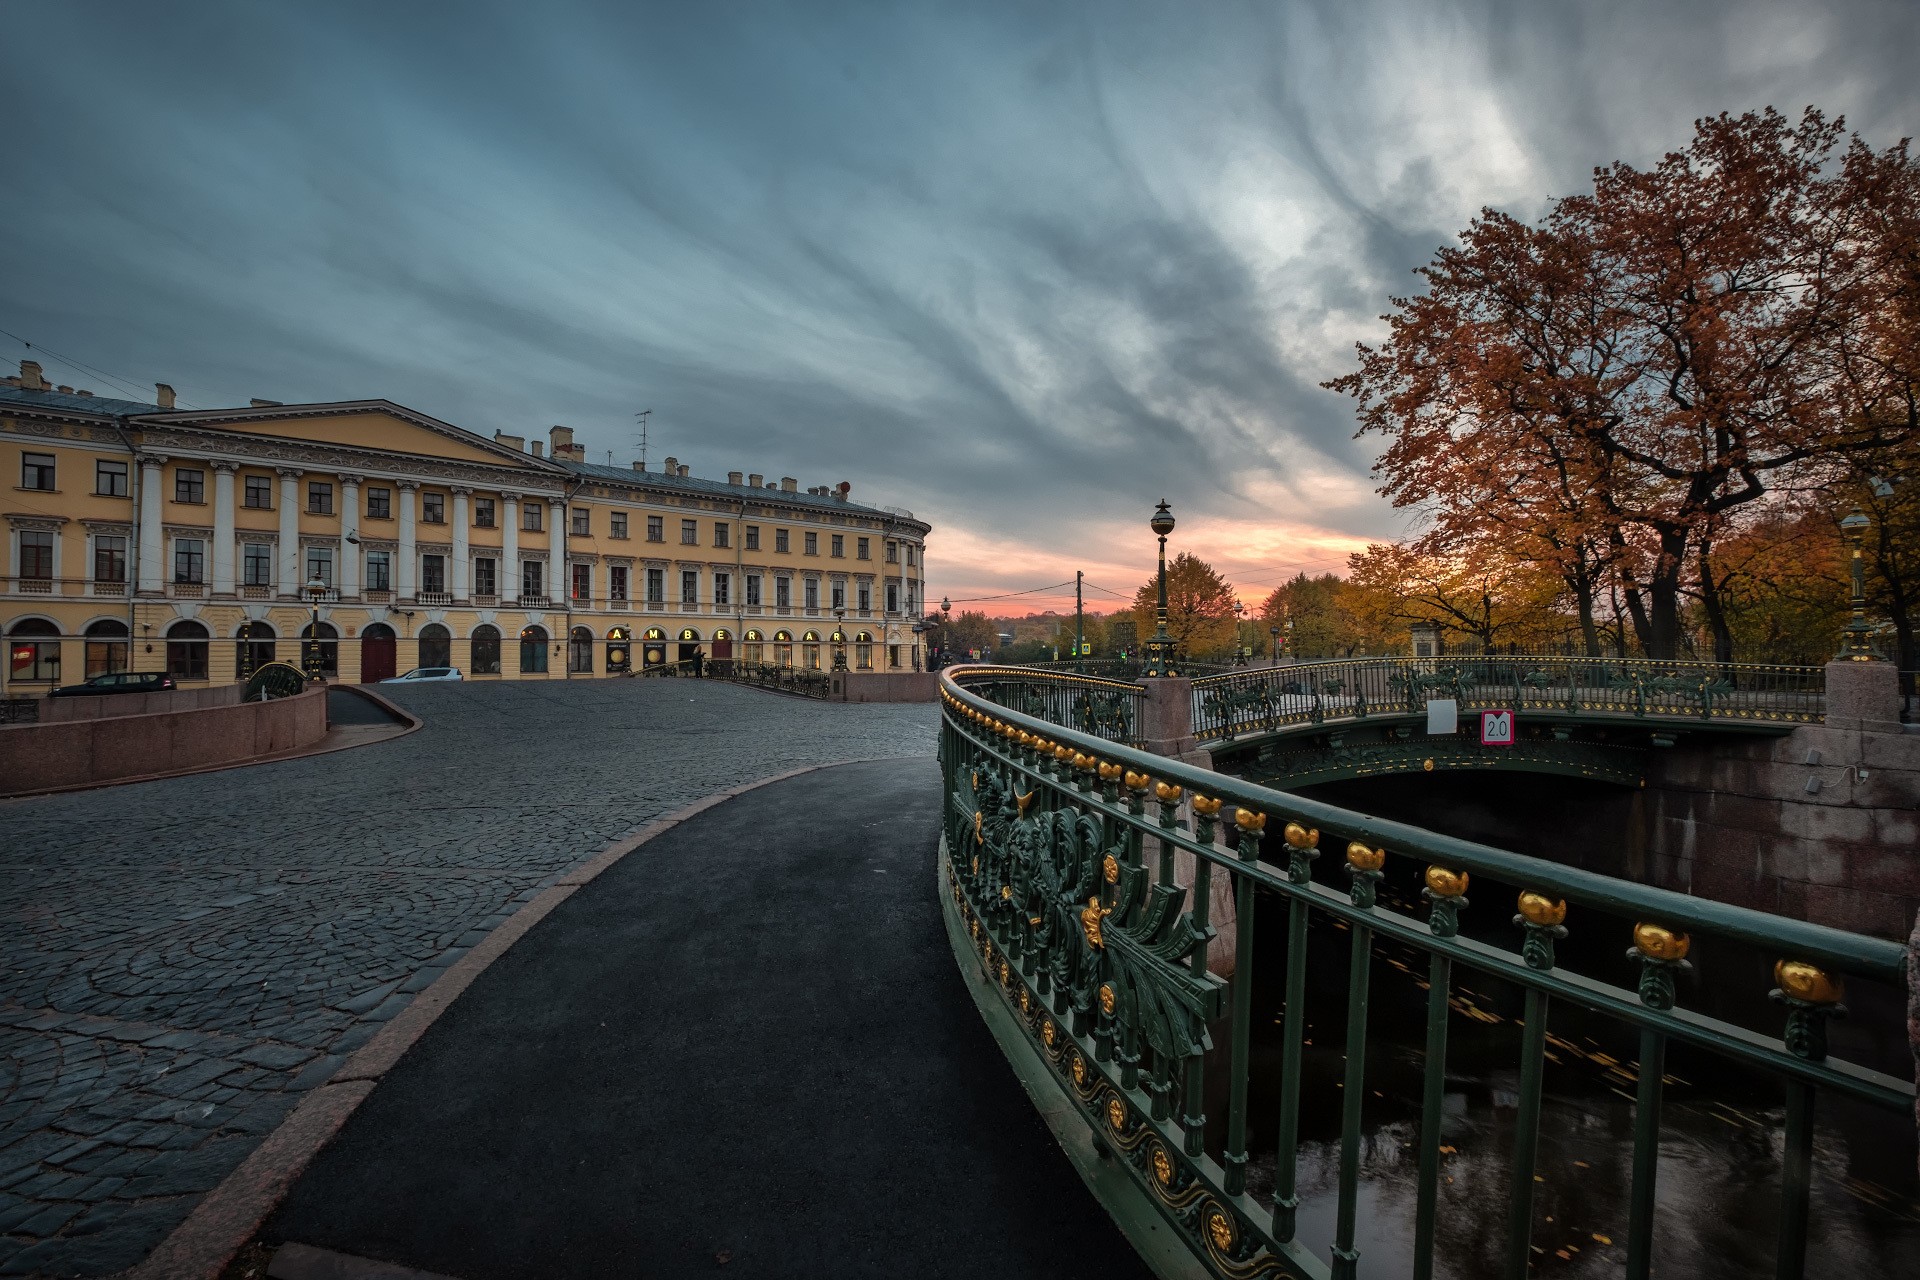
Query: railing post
[(1863, 695), (1166, 721)]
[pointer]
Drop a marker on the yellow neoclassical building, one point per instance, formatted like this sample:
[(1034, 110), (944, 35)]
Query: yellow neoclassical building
[(146, 537)]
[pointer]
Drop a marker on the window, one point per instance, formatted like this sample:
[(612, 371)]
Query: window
[(256, 645), (379, 504), (533, 650), (189, 560), (530, 521), (813, 595), (893, 553), (909, 555), (433, 577), (812, 544), (110, 479), (319, 498), (379, 570), (29, 656), (656, 529), (780, 541), (485, 657), (866, 598), (689, 586), (36, 555), (893, 657), (109, 558), (753, 537), (617, 524), (582, 522), (483, 519), (783, 592), (690, 533), (108, 648), (617, 581), (436, 646), (187, 651), (580, 651), (257, 492), (256, 564), (327, 642), (860, 551), (189, 485), (722, 534), (533, 577), (839, 595), (433, 510), (893, 597), (753, 591), (485, 583), (582, 582), (656, 587), (722, 590), (36, 471), (839, 546), (319, 565), (863, 651)]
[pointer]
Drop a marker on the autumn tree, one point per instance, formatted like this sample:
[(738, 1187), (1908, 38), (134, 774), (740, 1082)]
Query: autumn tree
[(1497, 600), (1200, 602)]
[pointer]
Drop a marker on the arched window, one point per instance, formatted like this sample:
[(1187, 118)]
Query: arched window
[(328, 643), (533, 651), (653, 651), (436, 646), (810, 648), (783, 648), (34, 646), (187, 651), (486, 650), (254, 646), (580, 651), (863, 651), (108, 647), (619, 650), (755, 649)]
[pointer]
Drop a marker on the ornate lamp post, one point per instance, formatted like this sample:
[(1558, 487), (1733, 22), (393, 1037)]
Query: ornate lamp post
[(315, 589), (246, 649), (1160, 647), (1856, 640), (1274, 631), (839, 637)]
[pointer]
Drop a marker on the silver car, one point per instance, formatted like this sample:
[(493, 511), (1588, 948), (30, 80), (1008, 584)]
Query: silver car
[(425, 673)]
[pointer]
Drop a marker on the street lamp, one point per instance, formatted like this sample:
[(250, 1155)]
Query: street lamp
[(839, 637), (315, 588), (246, 649), (1274, 631), (1160, 647), (1856, 641)]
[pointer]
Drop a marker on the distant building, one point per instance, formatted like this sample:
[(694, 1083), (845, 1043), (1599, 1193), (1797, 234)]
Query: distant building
[(146, 537)]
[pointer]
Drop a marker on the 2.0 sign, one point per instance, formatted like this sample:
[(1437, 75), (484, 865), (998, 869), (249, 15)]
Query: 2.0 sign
[(1496, 728)]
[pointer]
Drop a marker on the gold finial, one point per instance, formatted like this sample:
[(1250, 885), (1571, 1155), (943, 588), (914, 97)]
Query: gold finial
[(1657, 942), (1442, 882), (1137, 781), (1302, 837), (1108, 771), (1206, 806), (1808, 982), (1539, 909), (1361, 858), (1250, 821), (1108, 1000), (1062, 752), (1167, 793)]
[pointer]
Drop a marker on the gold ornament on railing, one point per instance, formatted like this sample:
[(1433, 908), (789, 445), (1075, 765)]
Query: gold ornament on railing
[(1110, 772), (1812, 995), (1363, 873), (1541, 917), (1167, 793), (1661, 952), (1251, 821), (1138, 781), (1300, 837), (1446, 891), (1361, 858), (1206, 806)]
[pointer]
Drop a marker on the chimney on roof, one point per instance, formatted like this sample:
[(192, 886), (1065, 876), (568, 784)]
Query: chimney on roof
[(514, 443), (753, 481), (789, 485), (534, 447), (30, 379), (673, 466), (842, 490), (258, 403), (562, 438), (639, 465), (735, 477), (65, 391), (87, 394), (682, 471), (163, 395)]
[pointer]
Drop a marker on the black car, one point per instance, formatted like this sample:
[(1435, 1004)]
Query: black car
[(123, 682)]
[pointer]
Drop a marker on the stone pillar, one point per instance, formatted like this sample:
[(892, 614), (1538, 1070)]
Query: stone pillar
[(223, 528), (289, 580), (153, 542), (462, 553), (349, 579), (509, 548), (1166, 721), (404, 571), (1864, 696), (556, 551)]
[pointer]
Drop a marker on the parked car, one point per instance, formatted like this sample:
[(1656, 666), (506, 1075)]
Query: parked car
[(122, 682), (426, 673)]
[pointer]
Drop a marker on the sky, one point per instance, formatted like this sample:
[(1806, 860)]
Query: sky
[(1024, 269)]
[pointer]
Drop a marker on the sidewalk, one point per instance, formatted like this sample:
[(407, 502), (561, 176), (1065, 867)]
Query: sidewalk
[(744, 1048)]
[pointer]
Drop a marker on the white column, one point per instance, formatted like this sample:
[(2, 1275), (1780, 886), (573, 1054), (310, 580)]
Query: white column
[(290, 578), (348, 579), (556, 550), (404, 571), (509, 547), (153, 544), (223, 528), (461, 552)]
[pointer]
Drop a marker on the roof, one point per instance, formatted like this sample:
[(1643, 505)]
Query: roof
[(67, 403), (719, 488)]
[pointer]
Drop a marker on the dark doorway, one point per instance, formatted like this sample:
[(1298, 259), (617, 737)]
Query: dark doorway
[(378, 653), (687, 652)]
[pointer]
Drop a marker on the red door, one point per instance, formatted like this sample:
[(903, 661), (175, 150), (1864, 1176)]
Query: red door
[(377, 653)]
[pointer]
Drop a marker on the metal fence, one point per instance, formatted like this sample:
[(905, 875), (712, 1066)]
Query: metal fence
[(1061, 855), (1226, 706), (1108, 709), (19, 710), (799, 681)]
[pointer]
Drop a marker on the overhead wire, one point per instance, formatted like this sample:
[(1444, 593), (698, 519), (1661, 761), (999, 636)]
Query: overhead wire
[(125, 385)]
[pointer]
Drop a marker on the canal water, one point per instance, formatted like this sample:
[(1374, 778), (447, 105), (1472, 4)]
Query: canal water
[(1719, 1175)]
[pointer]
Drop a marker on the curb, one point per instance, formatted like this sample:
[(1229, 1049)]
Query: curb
[(229, 1215)]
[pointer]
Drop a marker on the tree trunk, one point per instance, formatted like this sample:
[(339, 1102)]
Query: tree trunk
[(1636, 602), (1662, 640), (1715, 608)]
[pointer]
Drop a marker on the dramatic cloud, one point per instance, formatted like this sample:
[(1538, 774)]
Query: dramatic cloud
[(1023, 269)]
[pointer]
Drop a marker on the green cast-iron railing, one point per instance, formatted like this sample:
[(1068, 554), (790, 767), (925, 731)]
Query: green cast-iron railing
[(1062, 855), (1108, 709), (1230, 705), (1118, 668), (795, 680)]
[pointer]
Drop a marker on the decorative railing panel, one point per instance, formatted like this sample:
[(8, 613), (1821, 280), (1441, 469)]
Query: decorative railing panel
[(1238, 703), (1108, 709), (1063, 861), (794, 680)]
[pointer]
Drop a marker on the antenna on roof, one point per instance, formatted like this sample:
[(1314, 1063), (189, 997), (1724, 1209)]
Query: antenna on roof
[(642, 417)]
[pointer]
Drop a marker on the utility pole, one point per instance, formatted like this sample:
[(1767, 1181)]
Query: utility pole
[(642, 417), (1078, 610)]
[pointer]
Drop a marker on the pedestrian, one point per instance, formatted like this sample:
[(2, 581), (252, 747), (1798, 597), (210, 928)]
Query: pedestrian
[(699, 661)]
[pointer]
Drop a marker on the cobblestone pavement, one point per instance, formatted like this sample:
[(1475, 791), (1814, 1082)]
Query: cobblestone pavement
[(181, 959)]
